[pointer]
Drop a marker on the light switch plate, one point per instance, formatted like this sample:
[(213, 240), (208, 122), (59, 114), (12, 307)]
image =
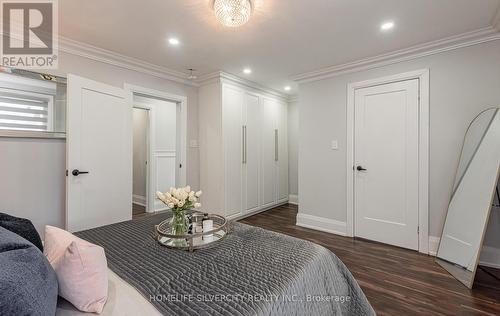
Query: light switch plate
[(335, 145)]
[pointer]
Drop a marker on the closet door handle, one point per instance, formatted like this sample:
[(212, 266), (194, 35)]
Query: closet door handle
[(245, 137), (242, 144), (276, 145)]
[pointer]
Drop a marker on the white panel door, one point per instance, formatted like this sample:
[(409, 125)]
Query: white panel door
[(99, 141), (233, 99), (281, 126), (251, 158), (270, 153), (386, 145)]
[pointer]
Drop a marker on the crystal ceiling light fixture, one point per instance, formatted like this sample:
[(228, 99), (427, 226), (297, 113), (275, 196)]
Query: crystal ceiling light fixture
[(232, 13)]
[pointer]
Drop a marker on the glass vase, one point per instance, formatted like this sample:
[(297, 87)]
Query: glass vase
[(179, 222)]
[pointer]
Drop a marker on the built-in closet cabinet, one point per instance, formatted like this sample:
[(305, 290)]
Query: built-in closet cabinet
[(233, 144), (251, 153), (241, 141), (274, 183), (243, 150)]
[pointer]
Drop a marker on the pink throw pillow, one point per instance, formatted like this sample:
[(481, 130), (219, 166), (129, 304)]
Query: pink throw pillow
[(81, 269), (56, 241)]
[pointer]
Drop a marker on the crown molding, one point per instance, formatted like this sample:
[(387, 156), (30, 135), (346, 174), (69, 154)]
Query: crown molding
[(85, 50), (209, 78), (221, 76), (110, 57), (479, 36)]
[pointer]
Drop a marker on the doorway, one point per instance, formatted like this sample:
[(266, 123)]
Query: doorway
[(167, 140), (140, 173), (157, 151), (387, 183)]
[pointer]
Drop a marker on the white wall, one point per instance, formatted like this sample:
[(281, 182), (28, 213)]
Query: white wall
[(462, 83), (140, 151), (44, 193), (32, 173), (293, 147)]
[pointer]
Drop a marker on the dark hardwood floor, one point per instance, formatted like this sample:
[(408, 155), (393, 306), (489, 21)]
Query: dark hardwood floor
[(396, 281), (138, 210)]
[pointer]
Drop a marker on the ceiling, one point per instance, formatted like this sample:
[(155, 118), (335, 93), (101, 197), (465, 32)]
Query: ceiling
[(283, 38)]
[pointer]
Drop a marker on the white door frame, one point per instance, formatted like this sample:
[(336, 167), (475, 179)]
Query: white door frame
[(150, 133), (182, 102), (423, 152)]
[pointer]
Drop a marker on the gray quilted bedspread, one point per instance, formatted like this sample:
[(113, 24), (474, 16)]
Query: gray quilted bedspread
[(252, 272)]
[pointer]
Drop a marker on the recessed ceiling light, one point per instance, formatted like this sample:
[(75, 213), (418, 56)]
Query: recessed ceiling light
[(287, 88), (247, 71), (386, 26), (173, 41)]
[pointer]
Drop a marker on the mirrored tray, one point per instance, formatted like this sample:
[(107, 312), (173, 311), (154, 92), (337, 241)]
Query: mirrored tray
[(193, 240)]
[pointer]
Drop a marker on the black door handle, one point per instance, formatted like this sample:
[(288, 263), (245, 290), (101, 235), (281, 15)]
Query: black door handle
[(359, 168), (77, 172)]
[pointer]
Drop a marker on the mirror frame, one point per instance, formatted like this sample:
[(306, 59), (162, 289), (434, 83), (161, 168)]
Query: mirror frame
[(463, 275)]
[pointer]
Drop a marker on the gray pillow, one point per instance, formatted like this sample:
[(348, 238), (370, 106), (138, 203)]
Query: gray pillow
[(23, 227), (28, 284)]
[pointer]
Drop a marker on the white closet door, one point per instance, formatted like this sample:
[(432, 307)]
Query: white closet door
[(233, 144), (270, 153), (251, 165), (98, 155), (281, 125)]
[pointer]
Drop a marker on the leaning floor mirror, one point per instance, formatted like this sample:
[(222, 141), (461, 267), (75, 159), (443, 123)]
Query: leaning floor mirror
[(474, 194)]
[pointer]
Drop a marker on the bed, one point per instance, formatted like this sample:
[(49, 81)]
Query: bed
[(253, 271)]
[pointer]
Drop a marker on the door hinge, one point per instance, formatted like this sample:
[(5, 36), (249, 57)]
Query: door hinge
[(418, 229), (180, 165)]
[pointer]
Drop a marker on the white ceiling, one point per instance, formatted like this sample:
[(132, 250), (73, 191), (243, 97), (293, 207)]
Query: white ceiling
[(283, 37)]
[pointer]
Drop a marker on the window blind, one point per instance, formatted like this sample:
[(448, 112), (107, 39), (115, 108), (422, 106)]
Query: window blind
[(20, 110)]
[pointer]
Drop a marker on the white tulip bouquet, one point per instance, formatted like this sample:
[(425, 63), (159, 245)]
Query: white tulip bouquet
[(179, 200)]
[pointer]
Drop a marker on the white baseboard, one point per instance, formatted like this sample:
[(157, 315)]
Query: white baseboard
[(433, 245), (139, 200), (237, 217), (322, 224), (293, 199), (490, 256)]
